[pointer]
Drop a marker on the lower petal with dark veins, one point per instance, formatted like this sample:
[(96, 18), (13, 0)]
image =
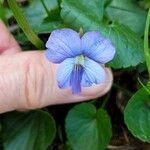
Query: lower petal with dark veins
[(76, 78)]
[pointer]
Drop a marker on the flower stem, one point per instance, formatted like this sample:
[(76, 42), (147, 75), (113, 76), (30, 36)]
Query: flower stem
[(146, 45), (23, 23), (106, 100)]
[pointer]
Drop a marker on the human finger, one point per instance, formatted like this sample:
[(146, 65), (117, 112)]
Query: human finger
[(8, 44)]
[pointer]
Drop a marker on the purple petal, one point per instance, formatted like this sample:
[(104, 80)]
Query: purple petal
[(54, 56), (98, 48), (76, 78), (64, 72), (90, 38), (62, 44), (93, 73)]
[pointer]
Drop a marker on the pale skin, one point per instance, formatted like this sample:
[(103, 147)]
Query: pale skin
[(28, 79)]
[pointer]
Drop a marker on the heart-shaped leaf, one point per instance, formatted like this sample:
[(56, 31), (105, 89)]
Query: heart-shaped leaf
[(88, 128), (28, 131), (137, 115)]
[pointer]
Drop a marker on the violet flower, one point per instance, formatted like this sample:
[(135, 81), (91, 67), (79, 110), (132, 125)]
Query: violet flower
[(79, 57)]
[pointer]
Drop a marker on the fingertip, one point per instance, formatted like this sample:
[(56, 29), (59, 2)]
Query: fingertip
[(8, 44), (87, 93), (96, 90)]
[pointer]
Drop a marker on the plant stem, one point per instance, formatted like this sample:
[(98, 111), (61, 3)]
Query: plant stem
[(146, 89), (23, 23), (106, 100), (47, 11), (146, 45)]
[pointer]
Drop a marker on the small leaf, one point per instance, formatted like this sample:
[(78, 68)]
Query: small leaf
[(137, 115), (3, 13), (129, 46), (39, 20), (127, 12), (88, 128), (28, 131)]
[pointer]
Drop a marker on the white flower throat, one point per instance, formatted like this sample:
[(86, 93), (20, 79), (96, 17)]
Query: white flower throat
[(80, 60)]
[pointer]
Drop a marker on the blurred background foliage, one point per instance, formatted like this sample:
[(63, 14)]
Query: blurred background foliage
[(120, 119)]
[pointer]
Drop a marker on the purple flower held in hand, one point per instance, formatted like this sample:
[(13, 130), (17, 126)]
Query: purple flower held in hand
[(79, 57)]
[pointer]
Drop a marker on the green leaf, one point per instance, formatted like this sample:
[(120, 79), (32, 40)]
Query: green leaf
[(127, 12), (24, 25), (88, 128), (129, 46), (21, 38), (39, 19), (145, 4), (28, 131), (3, 13), (77, 12), (1, 1), (137, 115), (146, 42), (81, 9)]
